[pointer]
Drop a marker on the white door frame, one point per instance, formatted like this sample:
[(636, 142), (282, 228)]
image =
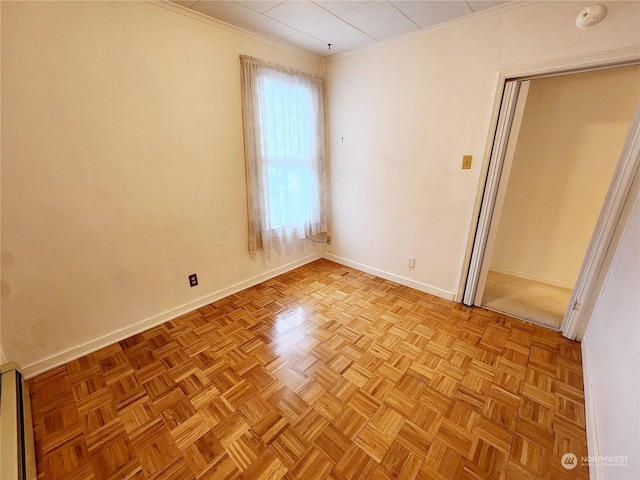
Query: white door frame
[(580, 307), (509, 120)]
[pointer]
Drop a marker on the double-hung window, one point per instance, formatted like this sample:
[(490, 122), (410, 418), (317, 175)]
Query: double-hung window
[(284, 153)]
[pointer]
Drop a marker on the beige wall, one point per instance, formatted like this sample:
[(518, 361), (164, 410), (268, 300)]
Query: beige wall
[(572, 134), (402, 115), (122, 157), (122, 171)]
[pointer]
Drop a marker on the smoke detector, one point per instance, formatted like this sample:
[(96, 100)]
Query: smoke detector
[(591, 16)]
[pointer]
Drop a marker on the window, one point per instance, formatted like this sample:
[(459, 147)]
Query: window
[(284, 153)]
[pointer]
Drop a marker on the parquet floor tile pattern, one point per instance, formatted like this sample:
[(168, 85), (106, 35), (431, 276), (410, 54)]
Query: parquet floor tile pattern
[(324, 372)]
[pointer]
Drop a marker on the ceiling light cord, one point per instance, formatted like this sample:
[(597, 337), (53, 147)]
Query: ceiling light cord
[(315, 241)]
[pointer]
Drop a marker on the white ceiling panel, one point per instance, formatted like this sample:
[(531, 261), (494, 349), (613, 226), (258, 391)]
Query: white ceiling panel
[(345, 24), (311, 44), (260, 6), (430, 13), (309, 18), (379, 19), (338, 7), (243, 17)]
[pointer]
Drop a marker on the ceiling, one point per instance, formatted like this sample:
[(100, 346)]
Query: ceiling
[(346, 25)]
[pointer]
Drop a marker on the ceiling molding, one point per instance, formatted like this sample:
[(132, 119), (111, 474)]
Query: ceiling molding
[(214, 22)]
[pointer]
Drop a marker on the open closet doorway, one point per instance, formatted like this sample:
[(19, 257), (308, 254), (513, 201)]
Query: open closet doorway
[(563, 141)]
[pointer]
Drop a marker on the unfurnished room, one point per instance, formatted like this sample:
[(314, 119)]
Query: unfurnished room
[(309, 239)]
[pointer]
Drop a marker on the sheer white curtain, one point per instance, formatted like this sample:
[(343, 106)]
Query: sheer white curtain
[(283, 118)]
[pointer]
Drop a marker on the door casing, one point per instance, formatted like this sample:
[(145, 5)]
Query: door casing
[(473, 275)]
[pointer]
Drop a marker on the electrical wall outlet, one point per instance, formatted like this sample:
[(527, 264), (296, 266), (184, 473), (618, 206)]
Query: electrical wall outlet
[(466, 161), (328, 239), (411, 262), (193, 280)]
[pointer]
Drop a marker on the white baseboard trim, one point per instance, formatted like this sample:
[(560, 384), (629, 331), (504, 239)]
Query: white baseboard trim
[(407, 282), (593, 447), (86, 348), (532, 277)]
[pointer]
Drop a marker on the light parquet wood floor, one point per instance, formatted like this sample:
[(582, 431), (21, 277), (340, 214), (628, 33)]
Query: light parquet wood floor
[(324, 372)]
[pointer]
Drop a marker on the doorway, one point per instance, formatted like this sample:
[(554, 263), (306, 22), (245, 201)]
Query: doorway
[(564, 137)]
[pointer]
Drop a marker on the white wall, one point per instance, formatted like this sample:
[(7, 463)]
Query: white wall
[(122, 171), (401, 116), (611, 355), (572, 134)]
